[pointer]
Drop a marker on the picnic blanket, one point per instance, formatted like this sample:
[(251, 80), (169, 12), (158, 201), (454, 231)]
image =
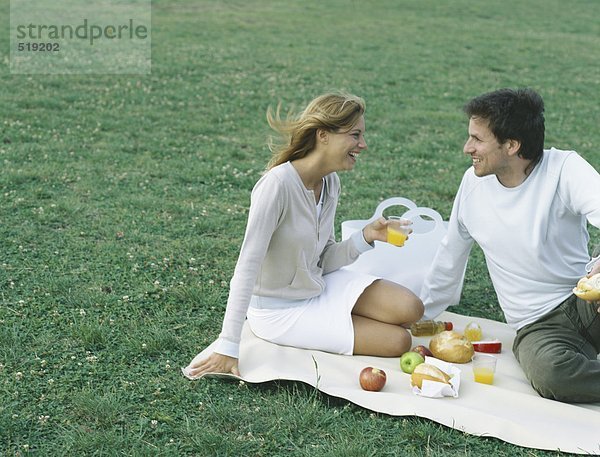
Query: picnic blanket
[(509, 409)]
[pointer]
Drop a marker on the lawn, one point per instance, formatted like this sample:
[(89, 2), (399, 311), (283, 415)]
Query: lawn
[(123, 201)]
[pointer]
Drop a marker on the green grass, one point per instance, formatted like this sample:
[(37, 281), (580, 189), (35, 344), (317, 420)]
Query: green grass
[(123, 202)]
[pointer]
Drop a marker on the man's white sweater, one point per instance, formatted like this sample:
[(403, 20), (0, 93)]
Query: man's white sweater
[(533, 236)]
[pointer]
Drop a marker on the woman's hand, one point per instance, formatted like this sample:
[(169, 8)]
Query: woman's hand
[(377, 230), (215, 363)]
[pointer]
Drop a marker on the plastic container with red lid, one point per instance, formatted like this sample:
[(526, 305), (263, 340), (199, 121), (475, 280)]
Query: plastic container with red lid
[(489, 347)]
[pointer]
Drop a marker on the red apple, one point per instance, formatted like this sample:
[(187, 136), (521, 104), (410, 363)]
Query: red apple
[(372, 379), (423, 350)]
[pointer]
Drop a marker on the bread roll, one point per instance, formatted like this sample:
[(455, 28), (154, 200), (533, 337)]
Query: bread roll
[(451, 347), (430, 372), (588, 288)]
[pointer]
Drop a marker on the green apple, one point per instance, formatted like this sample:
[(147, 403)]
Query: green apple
[(410, 360)]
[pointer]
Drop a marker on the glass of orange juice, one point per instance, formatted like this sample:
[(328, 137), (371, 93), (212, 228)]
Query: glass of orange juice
[(484, 367), (473, 332), (398, 230)]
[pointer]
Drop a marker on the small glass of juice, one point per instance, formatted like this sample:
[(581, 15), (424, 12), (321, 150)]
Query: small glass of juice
[(473, 332), (484, 367), (397, 230)]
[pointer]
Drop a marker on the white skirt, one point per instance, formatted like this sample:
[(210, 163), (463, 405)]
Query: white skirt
[(321, 323)]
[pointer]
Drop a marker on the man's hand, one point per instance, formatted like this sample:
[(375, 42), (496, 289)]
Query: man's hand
[(595, 270)]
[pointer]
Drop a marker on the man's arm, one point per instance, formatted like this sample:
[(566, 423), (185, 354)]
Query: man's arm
[(582, 193), (444, 281)]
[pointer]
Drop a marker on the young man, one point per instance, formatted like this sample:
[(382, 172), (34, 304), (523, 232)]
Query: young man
[(527, 208)]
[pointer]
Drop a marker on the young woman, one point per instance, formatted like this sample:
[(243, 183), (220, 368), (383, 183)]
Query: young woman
[(288, 281)]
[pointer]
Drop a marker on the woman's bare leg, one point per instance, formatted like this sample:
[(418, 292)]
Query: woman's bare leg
[(388, 302), (379, 317)]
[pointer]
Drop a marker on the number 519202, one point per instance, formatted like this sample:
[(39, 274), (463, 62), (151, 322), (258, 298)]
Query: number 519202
[(38, 47)]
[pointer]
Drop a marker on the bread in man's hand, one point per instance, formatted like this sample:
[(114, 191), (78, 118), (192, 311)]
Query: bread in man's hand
[(588, 288), (451, 347), (430, 372)]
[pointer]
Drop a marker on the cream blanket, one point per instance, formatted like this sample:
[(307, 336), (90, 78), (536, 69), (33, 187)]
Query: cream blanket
[(510, 409)]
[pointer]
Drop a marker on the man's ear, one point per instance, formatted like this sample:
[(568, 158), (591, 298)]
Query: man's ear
[(513, 147), (322, 136)]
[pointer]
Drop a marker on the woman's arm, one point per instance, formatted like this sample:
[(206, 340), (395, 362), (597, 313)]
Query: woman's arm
[(266, 209)]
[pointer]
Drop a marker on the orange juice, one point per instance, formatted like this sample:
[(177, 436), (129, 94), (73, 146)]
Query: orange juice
[(473, 332), (483, 375), (395, 237)]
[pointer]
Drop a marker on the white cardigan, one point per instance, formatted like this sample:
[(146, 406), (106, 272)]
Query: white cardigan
[(287, 248)]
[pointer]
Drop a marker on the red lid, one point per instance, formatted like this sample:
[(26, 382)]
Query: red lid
[(449, 325)]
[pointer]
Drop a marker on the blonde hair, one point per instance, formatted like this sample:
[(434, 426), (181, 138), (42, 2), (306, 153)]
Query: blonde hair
[(333, 112)]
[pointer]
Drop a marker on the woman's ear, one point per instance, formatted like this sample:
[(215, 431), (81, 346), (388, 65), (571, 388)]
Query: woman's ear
[(322, 136)]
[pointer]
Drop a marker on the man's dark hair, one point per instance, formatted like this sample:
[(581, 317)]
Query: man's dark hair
[(513, 115)]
